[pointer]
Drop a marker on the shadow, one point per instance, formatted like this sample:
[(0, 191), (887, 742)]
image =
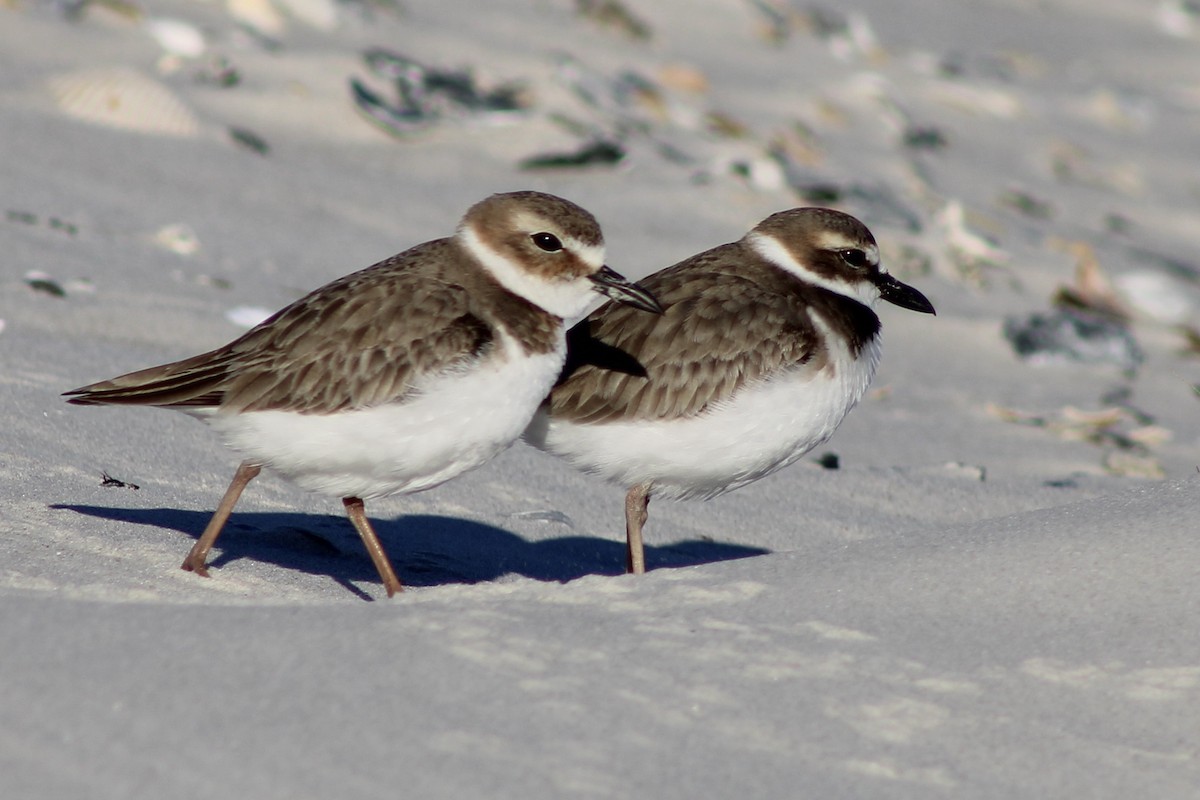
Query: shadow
[(426, 550)]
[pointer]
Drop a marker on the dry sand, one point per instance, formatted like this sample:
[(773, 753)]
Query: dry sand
[(995, 595)]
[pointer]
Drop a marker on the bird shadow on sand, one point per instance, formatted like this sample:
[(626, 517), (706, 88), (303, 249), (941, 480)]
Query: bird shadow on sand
[(427, 550)]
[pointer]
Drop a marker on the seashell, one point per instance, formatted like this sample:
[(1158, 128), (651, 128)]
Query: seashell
[(1092, 290), (319, 14), (1175, 18), (1071, 163), (979, 100), (178, 238), (177, 37), (614, 15), (684, 78), (959, 469), (258, 14), (78, 286), (117, 13), (968, 246), (1118, 110), (1132, 465), (118, 97), (761, 172), (1158, 296)]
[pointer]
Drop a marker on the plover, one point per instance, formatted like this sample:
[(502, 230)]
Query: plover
[(764, 346), (401, 376)]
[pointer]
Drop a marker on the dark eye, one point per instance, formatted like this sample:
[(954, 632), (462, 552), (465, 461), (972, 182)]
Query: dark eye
[(547, 241), (855, 258)]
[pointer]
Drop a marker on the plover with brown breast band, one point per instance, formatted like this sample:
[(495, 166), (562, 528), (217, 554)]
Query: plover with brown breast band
[(764, 346), (399, 377)]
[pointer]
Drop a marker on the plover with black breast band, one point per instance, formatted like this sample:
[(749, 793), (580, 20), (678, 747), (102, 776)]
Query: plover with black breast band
[(764, 346)]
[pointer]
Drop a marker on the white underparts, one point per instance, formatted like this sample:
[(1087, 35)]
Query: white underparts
[(457, 421), (763, 428)]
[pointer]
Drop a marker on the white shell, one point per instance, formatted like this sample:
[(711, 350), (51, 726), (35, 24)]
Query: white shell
[(1174, 19), (319, 14), (177, 37), (178, 238), (258, 14), (1158, 296), (117, 97)]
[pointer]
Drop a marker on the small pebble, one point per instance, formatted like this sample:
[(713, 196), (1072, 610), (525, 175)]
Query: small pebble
[(544, 516), (177, 37), (178, 238), (970, 471)]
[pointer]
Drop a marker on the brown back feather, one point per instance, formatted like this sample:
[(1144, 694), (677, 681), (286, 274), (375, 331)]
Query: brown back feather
[(359, 341), (731, 319)]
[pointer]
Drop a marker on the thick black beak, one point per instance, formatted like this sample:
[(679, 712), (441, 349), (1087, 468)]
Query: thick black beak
[(903, 295), (613, 286)]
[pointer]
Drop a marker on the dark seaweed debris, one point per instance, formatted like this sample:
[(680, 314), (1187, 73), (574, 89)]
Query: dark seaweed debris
[(109, 482), (1071, 334), (45, 284), (423, 95), (603, 153), (250, 140)]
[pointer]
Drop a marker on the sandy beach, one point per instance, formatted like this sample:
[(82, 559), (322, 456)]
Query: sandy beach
[(986, 584)]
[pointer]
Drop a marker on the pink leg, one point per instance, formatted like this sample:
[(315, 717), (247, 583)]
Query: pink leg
[(358, 515), (198, 555), (637, 510)]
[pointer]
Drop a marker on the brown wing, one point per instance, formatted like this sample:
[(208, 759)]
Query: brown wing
[(728, 321), (359, 341)]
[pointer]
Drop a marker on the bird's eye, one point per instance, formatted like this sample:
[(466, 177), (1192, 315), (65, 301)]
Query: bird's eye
[(547, 241), (854, 257)]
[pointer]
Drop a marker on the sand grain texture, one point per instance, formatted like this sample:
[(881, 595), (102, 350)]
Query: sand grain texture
[(968, 607)]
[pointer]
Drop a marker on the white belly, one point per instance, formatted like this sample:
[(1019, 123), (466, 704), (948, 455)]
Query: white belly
[(455, 423), (763, 428)]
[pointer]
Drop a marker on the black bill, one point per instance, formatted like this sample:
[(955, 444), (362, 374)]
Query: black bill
[(903, 295), (610, 284)]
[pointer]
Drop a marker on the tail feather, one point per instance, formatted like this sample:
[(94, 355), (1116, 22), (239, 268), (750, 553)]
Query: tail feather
[(196, 382)]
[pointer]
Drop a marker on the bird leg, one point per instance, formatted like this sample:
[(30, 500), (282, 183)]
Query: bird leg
[(196, 557), (637, 505), (358, 515)]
